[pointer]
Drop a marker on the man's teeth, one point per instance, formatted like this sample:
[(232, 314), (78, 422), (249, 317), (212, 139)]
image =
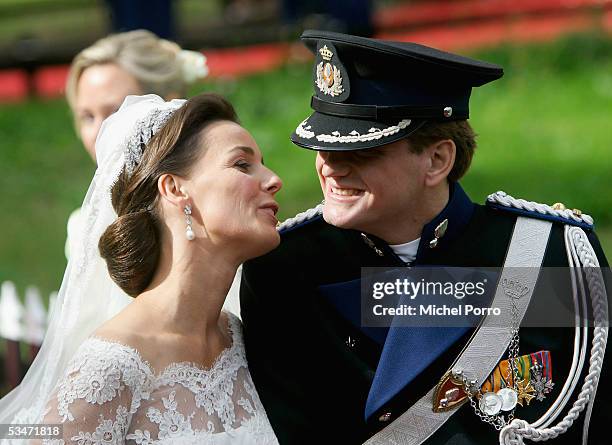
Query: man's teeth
[(345, 192)]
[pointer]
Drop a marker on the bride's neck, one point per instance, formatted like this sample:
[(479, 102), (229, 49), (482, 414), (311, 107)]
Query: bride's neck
[(189, 288)]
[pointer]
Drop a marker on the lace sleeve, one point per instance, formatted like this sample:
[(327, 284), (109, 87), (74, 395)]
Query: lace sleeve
[(100, 391)]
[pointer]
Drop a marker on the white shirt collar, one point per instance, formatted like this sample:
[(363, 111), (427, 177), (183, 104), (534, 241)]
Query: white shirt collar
[(407, 251)]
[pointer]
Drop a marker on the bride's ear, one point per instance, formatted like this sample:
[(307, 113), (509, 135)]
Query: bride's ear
[(171, 190)]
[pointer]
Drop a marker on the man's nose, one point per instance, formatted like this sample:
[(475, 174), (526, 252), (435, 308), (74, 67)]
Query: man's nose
[(334, 163)]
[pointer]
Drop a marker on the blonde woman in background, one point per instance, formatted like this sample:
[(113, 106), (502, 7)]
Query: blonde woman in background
[(135, 62), (129, 63)]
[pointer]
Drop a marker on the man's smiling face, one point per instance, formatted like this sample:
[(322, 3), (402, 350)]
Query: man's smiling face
[(372, 190)]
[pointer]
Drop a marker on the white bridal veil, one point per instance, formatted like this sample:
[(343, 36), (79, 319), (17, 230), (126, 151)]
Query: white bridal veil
[(88, 296)]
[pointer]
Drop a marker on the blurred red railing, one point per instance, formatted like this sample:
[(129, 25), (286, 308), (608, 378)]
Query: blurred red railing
[(436, 12), (451, 25)]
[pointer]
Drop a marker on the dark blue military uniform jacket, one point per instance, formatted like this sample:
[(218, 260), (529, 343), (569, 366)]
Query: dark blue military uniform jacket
[(325, 379)]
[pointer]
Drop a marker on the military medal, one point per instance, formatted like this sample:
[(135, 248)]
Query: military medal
[(525, 392), (509, 398), (490, 403), (542, 385), (514, 381)]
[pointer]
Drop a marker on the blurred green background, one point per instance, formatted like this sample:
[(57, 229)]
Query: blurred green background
[(544, 134)]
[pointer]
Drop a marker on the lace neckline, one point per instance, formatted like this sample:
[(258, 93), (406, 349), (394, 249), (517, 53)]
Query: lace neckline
[(228, 352)]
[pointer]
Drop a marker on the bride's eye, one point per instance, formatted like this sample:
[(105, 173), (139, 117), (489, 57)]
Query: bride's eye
[(242, 165)]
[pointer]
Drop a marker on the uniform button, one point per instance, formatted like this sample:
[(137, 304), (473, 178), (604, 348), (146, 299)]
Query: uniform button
[(558, 206), (350, 342), (385, 417)]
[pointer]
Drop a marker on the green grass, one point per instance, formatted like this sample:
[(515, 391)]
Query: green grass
[(44, 175), (544, 135)]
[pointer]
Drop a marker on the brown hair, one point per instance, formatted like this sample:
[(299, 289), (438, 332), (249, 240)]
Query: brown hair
[(130, 245), (460, 132)]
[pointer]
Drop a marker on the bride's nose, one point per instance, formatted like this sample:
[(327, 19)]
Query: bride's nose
[(273, 183)]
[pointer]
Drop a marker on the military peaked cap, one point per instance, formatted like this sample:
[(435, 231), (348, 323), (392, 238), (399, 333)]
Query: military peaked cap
[(373, 92)]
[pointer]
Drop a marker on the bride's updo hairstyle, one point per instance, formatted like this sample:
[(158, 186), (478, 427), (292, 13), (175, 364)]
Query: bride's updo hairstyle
[(131, 245)]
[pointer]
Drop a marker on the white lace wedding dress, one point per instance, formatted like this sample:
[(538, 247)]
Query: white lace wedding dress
[(110, 395)]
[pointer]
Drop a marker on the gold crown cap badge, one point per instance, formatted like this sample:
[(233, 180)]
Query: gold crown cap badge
[(326, 53)]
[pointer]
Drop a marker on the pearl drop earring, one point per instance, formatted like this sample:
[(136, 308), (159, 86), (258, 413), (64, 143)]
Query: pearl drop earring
[(189, 232)]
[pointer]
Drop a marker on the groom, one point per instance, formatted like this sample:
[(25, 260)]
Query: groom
[(392, 139)]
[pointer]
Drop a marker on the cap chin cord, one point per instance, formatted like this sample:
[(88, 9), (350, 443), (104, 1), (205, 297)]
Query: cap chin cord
[(582, 260)]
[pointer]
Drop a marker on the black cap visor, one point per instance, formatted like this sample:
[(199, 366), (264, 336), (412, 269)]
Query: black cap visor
[(323, 132)]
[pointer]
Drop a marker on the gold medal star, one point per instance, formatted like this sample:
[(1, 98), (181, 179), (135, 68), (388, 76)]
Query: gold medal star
[(525, 392)]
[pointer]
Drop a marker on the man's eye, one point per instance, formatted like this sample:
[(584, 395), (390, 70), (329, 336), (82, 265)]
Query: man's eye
[(368, 154)]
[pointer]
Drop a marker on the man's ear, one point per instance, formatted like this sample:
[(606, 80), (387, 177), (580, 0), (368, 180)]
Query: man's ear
[(172, 190), (441, 161)]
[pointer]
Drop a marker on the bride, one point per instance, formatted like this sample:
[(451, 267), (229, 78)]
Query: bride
[(180, 198)]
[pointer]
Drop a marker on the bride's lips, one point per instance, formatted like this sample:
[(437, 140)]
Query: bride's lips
[(270, 209)]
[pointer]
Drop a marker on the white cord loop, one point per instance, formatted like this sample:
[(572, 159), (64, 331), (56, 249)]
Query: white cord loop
[(518, 430), (506, 200), (301, 217)]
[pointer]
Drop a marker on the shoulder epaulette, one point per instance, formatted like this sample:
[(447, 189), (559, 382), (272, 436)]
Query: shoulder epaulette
[(556, 212), (301, 219)]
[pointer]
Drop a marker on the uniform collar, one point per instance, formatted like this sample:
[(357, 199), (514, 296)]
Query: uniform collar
[(407, 351), (457, 214), (448, 224)]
